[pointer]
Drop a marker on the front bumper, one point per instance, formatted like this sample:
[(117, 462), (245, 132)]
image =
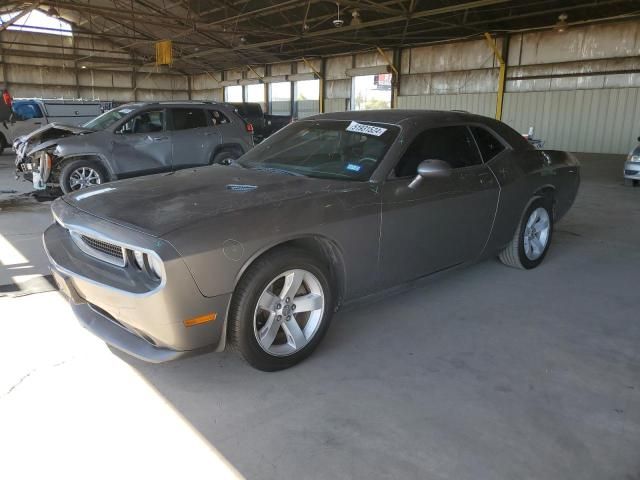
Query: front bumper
[(114, 303), (632, 170)]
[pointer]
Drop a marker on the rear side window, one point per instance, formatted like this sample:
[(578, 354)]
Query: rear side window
[(217, 117), (251, 109), (488, 144), (186, 118), (454, 145), (27, 111)]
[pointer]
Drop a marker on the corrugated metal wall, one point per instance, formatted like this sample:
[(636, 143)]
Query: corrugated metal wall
[(579, 89), (33, 67), (596, 120), (306, 108), (479, 103), (336, 105)]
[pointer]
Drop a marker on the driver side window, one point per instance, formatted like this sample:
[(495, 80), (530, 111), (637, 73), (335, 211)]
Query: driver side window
[(454, 145), (145, 122)]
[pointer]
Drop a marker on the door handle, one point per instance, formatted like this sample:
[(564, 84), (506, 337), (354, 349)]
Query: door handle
[(157, 139), (37, 123), (209, 133)]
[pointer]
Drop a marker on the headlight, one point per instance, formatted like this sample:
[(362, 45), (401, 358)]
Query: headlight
[(156, 265), (148, 263), (139, 259), (633, 158)]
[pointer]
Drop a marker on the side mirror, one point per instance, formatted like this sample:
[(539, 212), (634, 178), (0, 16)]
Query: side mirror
[(430, 168)]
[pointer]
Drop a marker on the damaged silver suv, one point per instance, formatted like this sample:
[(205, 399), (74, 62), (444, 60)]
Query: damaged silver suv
[(132, 140)]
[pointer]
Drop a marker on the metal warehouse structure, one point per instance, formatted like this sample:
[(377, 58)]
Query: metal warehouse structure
[(570, 69)]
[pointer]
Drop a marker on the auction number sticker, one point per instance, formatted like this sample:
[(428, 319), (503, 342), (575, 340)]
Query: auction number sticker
[(366, 129)]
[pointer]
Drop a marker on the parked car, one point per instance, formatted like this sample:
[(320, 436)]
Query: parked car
[(5, 117), (30, 114), (131, 140), (263, 124), (331, 208), (632, 166)]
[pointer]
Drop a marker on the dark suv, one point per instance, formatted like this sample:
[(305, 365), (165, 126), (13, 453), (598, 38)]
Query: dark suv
[(131, 140)]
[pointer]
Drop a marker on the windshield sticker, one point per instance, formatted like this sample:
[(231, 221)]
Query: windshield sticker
[(353, 167), (366, 129)]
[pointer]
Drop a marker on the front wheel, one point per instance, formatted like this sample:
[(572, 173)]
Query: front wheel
[(531, 241), (281, 309), (79, 174)]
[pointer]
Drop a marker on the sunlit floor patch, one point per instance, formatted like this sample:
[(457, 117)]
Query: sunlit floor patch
[(69, 408)]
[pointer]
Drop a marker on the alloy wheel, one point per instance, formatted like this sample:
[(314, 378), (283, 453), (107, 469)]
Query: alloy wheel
[(536, 233), (289, 312), (84, 177)]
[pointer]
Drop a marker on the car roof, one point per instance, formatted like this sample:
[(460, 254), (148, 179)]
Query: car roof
[(399, 116), (419, 119), (173, 103)]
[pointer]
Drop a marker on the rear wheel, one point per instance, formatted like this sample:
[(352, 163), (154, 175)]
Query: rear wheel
[(81, 173), (531, 241), (226, 157), (281, 309)]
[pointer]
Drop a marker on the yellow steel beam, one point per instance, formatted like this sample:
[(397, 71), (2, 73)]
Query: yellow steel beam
[(255, 73), (388, 60), (320, 85), (501, 75), (394, 77)]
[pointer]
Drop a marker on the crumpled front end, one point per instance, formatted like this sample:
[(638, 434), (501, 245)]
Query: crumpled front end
[(37, 169), (36, 153)]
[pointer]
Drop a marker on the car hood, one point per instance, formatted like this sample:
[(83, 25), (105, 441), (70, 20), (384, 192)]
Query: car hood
[(159, 204), (62, 129), (45, 136)]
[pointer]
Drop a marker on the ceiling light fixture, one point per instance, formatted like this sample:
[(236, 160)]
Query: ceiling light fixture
[(338, 22), (561, 25), (355, 18)]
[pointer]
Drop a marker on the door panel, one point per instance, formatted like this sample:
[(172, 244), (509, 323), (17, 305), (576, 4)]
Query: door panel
[(441, 223), (142, 145), (193, 138)]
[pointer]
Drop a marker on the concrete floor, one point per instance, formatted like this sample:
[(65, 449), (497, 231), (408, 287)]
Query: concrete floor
[(483, 373)]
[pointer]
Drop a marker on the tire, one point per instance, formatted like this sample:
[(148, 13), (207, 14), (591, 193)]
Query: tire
[(3, 143), (522, 252), (226, 157), (248, 321), (68, 175), (630, 182)]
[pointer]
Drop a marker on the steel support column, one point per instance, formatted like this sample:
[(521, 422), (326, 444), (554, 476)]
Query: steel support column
[(502, 75)]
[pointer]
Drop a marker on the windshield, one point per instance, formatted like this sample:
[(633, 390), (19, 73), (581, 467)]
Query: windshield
[(108, 118), (341, 149)]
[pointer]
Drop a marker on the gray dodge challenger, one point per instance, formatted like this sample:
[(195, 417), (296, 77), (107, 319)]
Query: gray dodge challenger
[(259, 254)]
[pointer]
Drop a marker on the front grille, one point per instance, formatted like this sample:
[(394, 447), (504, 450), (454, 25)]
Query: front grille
[(100, 249), (107, 248), (631, 172)]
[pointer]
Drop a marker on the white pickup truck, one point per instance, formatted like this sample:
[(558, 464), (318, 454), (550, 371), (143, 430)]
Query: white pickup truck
[(31, 114)]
